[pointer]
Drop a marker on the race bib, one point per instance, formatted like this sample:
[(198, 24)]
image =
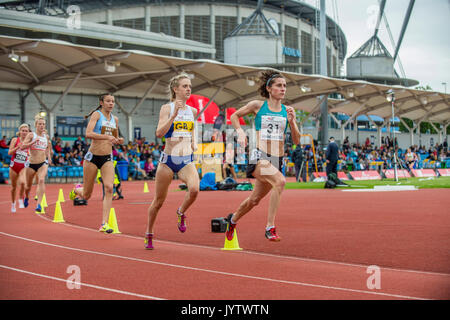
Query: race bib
[(21, 156), (110, 129), (183, 126), (272, 127), (40, 143)]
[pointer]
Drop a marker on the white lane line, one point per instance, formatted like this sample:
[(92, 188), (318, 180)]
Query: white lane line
[(346, 264), (83, 284), (215, 271)]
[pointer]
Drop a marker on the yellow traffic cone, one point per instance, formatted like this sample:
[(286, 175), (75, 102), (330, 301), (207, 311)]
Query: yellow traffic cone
[(44, 201), (112, 221), (61, 195), (146, 188), (233, 244), (58, 217)]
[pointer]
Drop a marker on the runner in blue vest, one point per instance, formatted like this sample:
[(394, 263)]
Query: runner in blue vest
[(266, 160), (103, 129)]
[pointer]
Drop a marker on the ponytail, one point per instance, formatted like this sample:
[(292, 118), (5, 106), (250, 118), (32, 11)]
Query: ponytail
[(90, 113), (100, 106)]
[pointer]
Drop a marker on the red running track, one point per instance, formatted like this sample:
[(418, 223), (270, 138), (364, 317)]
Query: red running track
[(330, 240)]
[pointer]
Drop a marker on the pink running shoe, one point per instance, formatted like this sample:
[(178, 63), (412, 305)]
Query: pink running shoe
[(182, 226), (149, 241), (272, 235)]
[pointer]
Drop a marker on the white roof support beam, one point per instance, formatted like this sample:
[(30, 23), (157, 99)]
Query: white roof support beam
[(210, 101), (149, 90), (63, 95)]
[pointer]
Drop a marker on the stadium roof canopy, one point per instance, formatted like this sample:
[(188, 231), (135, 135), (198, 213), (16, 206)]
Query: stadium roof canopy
[(296, 8), (57, 66)]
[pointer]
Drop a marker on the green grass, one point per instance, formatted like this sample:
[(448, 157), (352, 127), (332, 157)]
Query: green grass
[(421, 183)]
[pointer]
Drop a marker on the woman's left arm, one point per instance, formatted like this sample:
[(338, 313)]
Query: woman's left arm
[(295, 132)]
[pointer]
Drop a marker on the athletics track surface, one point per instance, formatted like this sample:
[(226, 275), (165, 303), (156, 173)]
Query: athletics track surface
[(329, 240)]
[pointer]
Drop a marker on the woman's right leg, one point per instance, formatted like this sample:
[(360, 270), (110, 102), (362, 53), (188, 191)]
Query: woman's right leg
[(14, 177), (164, 176), (263, 185)]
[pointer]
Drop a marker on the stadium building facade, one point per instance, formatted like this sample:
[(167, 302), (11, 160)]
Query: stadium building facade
[(186, 29), (211, 21)]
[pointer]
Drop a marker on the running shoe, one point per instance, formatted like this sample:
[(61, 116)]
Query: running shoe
[(149, 241), (105, 228), (182, 226), (271, 234), (25, 202), (230, 228), (13, 207), (21, 206), (38, 209)]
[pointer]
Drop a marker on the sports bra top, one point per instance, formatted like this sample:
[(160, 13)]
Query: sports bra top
[(183, 124), (272, 125)]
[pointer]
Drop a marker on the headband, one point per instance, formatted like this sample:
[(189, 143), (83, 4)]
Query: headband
[(271, 78)]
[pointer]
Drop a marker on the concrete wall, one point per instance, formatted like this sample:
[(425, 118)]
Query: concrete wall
[(251, 50), (370, 66)]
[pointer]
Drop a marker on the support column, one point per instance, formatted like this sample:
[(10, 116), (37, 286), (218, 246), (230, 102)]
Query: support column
[(323, 72), (182, 22), (147, 18), (212, 28)]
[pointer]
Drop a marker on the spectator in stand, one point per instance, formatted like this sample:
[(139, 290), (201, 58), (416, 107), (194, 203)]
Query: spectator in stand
[(57, 147), (79, 144), (367, 143), (149, 167), (3, 143), (60, 161), (77, 157), (135, 168), (67, 148), (68, 159), (410, 158)]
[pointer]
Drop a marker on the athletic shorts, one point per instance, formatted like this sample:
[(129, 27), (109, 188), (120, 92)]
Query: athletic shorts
[(256, 155), (16, 166), (99, 161), (36, 166), (176, 163)]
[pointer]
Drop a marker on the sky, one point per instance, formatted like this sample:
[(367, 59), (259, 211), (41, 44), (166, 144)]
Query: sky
[(425, 49)]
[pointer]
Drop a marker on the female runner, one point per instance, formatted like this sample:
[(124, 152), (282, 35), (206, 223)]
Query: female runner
[(266, 161), (176, 124), (103, 129), (40, 158), (19, 158)]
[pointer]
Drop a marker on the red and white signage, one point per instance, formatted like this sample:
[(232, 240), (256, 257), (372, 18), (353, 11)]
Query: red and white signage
[(423, 173), (341, 175), (400, 174), (444, 172), (365, 175)]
